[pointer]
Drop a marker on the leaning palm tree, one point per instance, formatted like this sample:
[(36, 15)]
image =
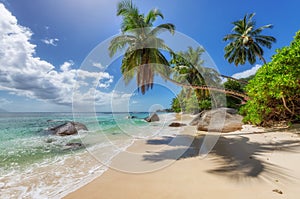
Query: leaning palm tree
[(246, 42), (142, 57), (188, 67)]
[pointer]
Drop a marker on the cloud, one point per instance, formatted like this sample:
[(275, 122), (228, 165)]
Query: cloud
[(24, 74), (98, 65), (52, 42), (246, 73), (112, 101), (66, 65)]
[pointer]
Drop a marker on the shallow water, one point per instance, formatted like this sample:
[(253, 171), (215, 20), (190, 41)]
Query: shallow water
[(37, 164)]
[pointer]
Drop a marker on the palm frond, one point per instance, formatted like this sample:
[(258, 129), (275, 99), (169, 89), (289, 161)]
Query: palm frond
[(231, 37), (246, 41), (119, 43), (260, 29), (152, 15), (126, 8), (162, 28)]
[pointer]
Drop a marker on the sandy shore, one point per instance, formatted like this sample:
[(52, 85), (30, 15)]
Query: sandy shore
[(251, 163)]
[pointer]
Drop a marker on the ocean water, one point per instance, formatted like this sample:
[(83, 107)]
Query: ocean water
[(37, 164)]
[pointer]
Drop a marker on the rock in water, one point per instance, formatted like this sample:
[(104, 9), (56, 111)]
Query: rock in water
[(75, 145), (176, 124), (68, 128), (79, 126), (212, 120), (152, 118)]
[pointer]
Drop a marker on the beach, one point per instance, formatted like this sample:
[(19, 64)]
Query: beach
[(251, 163), (35, 163)]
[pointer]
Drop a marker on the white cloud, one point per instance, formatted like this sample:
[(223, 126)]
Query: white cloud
[(23, 74), (98, 65), (52, 42), (66, 65), (112, 101), (246, 73)]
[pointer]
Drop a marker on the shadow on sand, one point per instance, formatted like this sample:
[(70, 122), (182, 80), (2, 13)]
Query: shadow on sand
[(234, 156)]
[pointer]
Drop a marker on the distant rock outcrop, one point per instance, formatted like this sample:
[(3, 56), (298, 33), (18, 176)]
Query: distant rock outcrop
[(176, 124), (152, 118), (131, 117), (218, 120), (68, 128)]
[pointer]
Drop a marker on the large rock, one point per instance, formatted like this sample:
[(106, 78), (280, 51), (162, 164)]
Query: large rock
[(152, 118), (68, 128), (196, 119), (176, 124), (218, 120)]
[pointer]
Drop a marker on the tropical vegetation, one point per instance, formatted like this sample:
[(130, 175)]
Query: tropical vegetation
[(143, 57), (275, 89), (274, 92), (246, 41), (189, 70), (233, 102)]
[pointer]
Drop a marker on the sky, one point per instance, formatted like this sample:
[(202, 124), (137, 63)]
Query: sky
[(45, 46)]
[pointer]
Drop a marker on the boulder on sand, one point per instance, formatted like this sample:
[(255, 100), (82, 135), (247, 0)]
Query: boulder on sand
[(152, 118), (176, 124), (219, 120), (68, 128)]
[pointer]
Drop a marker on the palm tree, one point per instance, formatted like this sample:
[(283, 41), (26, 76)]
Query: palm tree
[(246, 42), (142, 57), (188, 67)]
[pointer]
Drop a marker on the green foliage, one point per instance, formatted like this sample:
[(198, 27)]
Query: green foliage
[(233, 85), (187, 101), (143, 58), (233, 102), (275, 90), (205, 104), (192, 105), (176, 107), (246, 42)]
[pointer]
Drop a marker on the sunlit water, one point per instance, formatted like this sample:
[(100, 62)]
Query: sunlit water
[(35, 163)]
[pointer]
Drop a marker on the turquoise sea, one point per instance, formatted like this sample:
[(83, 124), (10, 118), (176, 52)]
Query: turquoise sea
[(37, 164)]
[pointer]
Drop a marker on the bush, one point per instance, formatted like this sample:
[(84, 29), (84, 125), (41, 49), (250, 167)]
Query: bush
[(275, 90)]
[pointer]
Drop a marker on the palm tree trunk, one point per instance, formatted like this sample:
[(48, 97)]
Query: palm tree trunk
[(208, 88), (198, 95)]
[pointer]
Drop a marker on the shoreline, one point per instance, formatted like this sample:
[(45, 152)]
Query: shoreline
[(266, 175), (107, 166)]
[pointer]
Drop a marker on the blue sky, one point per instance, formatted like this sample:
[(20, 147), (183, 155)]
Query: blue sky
[(46, 42)]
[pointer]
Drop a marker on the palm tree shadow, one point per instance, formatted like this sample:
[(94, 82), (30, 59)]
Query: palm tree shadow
[(235, 157)]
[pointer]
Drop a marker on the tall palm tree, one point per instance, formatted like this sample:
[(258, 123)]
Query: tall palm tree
[(188, 67), (246, 42), (142, 57)]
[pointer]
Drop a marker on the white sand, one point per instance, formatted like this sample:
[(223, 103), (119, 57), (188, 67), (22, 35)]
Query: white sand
[(251, 163)]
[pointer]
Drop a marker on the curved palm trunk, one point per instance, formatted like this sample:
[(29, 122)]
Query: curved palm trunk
[(243, 95)]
